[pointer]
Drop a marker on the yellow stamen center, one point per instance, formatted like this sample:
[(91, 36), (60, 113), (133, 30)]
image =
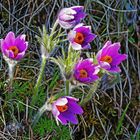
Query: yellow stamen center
[(106, 58), (15, 50), (83, 73), (79, 38), (62, 108)]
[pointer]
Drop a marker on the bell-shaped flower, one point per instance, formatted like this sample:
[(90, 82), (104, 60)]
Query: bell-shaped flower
[(80, 37), (65, 110), (85, 71), (69, 17), (14, 47), (109, 58)]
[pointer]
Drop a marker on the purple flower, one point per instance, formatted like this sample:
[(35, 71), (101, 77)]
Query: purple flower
[(14, 48), (65, 109), (69, 17), (80, 37), (109, 58), (85, 71)]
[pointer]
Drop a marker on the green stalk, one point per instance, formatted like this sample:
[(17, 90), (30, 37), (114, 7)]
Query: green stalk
[(43, 64), (45, 107), (90, 93), (36, 89), (44, 59), (67, 87), (11, 72), (120, 123), (11, 65), (11, 75), (67, 71)]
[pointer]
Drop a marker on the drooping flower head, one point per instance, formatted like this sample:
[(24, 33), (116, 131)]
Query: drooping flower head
[(80, 37), (109, 58), (69, 17), (14, 48), (85, 71), (65, 109)]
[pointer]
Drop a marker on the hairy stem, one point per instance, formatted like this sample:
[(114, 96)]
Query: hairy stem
[(43, 64), (67, 87), (11, 74), (44, 59), (36, 89), (45, 107)]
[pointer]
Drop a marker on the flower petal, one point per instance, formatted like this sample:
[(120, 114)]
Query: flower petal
[(11, 42), (90, 37), (103, 50), (62, 119), (20, 56), (90, 69), (61, 101), (107, 44), (67, 25), (113, 49), (68, 11), (72, 98), (105, 65), (84, 30), (114, 69), (70, 117), (10, 39), (4, 46), (96, 69), (87, 37), (76, 46), (55, 110), (118, 59), (77, 8), (78, 25), (71, 35), (94, 77), (74, 107), (21, 44), (65, 17), (22, 37), (86, 46), (80, 14), (9, 54), (69, 17)]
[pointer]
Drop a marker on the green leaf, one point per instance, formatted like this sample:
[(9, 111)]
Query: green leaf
[(46, 126), (119, 126)]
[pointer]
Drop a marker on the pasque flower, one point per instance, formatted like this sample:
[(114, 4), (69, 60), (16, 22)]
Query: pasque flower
[(65, 109), (69, 17), (14, 47), (80, 37), (85, 71), (109, 58)]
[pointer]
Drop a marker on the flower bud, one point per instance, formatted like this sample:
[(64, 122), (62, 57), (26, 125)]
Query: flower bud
[(69, 17)]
